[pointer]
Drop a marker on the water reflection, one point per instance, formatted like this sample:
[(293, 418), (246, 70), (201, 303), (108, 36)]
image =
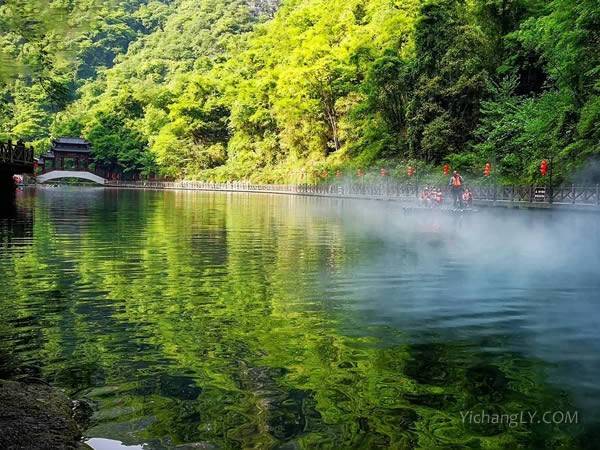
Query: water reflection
[(237, 321), (16, 223)]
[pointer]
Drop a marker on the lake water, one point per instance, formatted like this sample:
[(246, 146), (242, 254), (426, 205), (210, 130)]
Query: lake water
[(215, 320)]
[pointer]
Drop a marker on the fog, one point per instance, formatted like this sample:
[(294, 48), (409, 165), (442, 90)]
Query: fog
[(504, 281)]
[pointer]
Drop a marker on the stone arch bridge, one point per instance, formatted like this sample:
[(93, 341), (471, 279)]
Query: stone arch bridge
[(60, 174)]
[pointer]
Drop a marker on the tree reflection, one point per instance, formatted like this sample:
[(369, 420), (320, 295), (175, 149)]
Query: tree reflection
[(206, 318)]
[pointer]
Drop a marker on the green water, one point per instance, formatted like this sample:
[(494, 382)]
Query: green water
[(257, 321)]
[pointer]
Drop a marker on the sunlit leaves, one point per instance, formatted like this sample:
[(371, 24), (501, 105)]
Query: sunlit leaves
[(224, 89)]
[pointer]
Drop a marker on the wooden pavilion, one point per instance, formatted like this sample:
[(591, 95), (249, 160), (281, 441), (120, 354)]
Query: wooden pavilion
[(67, 153)]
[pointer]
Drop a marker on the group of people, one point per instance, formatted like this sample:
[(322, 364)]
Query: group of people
[(432, 197), (462, 197)]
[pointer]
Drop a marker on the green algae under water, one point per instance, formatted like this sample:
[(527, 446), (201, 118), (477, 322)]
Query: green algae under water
[(212, 320)]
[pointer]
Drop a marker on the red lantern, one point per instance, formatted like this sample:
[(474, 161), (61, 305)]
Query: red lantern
[(410, 171), (544, 168), (488, 169), (383, 172), (446, 169)]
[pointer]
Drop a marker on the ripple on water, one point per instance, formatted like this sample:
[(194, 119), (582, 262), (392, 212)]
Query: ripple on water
[(232, 321)]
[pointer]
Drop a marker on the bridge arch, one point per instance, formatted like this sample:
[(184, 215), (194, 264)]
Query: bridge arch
[(81, 174)]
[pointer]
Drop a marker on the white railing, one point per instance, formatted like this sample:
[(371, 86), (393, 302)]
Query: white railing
[(588, 196)]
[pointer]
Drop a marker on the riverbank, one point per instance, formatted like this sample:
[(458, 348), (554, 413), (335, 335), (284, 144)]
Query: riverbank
[(582, 198)]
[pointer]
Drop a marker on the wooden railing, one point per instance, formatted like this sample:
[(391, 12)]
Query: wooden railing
[(16, 154), (532, 196)]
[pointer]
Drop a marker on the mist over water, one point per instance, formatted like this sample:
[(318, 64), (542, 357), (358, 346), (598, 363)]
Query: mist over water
[(241, 320), (507, 281)]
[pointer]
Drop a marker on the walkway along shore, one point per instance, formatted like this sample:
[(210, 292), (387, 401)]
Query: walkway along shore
[(539, 197)]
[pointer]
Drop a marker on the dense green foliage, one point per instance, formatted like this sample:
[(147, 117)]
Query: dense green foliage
[(229, 89), (49, 49)]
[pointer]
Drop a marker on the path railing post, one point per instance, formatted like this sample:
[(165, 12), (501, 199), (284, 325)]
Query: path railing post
[(531, 190)]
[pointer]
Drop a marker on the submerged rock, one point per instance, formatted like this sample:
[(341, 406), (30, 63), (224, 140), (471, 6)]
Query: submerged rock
[(37, 416)]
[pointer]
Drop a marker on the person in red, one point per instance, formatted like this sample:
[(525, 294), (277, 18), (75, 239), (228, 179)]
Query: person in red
[(456, 187)]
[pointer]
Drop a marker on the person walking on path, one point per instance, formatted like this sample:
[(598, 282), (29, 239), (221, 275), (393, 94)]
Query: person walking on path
[(456, 187)]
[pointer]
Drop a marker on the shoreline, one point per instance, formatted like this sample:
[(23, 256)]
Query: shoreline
[(508, 198), (35, 414)]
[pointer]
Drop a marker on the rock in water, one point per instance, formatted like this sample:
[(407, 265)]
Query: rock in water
[(36, 416)]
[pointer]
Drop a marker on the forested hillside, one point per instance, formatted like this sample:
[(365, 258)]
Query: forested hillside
[(254, 89), (50, 49)]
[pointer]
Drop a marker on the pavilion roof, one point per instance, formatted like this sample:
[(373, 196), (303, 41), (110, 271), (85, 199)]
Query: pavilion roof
[(71, 141), (73, 145)]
